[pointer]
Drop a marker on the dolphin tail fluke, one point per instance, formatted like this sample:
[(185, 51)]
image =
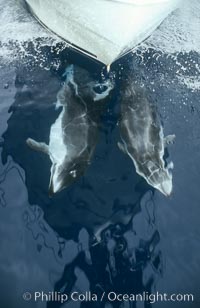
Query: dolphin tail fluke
[(38, 146)]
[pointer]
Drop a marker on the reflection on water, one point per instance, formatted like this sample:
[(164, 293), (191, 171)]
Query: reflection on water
[(99, 234)]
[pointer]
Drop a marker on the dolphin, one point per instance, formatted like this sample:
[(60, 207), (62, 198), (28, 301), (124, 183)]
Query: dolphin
[(142, 138), (74, 134)]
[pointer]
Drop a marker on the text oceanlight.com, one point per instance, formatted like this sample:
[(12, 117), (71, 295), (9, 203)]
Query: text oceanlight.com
[(107, 297)]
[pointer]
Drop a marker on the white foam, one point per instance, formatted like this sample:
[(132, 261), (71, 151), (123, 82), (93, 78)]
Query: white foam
[(191, 82), (180, 31), (18, 28), (16, 23)]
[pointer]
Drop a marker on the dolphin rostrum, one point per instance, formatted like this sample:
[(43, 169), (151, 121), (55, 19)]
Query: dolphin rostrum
[(143, 140), (74, 134)]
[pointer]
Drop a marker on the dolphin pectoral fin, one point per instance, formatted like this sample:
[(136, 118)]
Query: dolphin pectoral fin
[(38, 146), (122, 147), (170, 139)]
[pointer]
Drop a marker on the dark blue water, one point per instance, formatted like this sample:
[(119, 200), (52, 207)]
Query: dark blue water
[(109, 231)]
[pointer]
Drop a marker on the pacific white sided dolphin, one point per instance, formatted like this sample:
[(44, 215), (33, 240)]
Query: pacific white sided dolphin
[(143, 139), (74, 134)]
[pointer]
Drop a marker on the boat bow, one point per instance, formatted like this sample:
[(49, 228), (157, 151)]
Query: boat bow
[(103, 29)]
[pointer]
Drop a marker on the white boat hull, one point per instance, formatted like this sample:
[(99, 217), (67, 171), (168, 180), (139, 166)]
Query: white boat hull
[(104, 29)]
